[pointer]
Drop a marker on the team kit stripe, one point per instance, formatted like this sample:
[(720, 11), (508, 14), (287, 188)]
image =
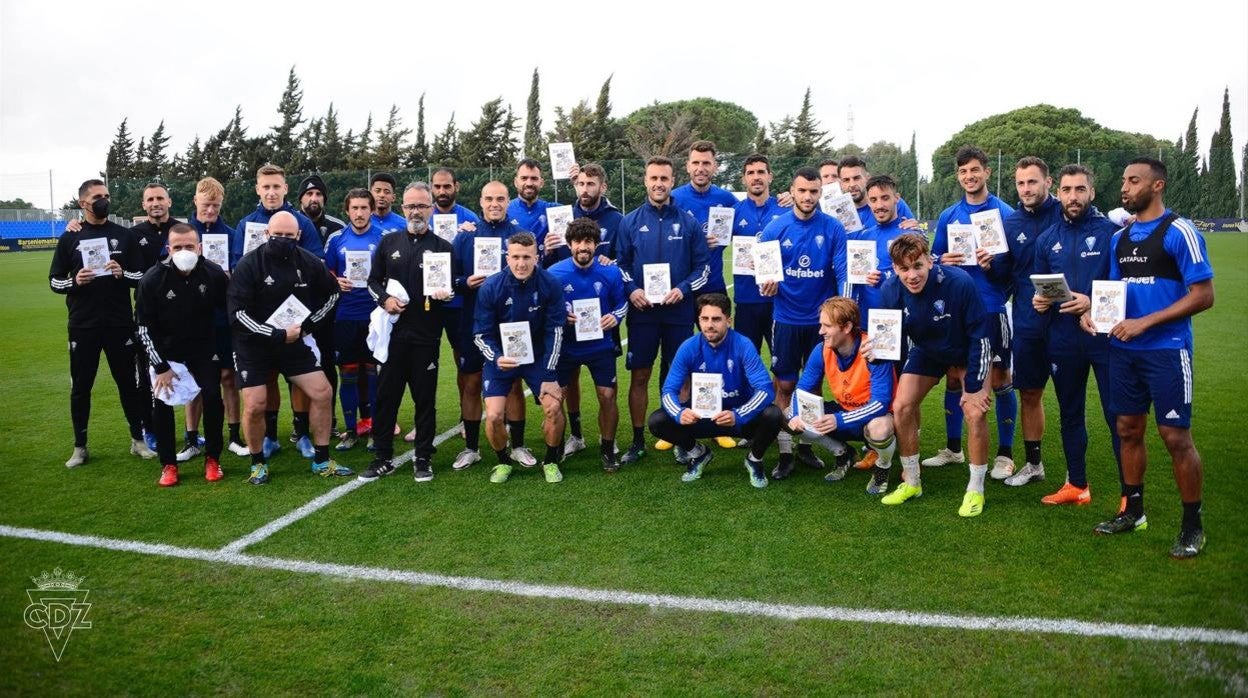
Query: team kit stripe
[(1192, 238), (1185, 360)]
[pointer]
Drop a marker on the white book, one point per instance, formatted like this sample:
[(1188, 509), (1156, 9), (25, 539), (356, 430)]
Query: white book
[(561, 160), (445, 226), (94, 255), (359, 264), (588, 314), (743, 254), (860, 256), (517, 340), (291, 313), (1109, 304), (254, 235), (217, 249), (990, 231), (962, 241), (1053, 287), (842, 208), (487, 256), (809, 407), (557, 220), (827, 195), (719, 225), (706, 391), (437, 273), (768, 265), (884, 331), (658, 281)]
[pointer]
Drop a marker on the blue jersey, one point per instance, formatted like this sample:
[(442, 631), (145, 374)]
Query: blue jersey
[(1080, 250), (391, 223), (1170, 265), (654, 235), (607, 217), (537, 300), (1022, 228), (357, 303), (602, 282), (309, 237), (462, 215), (813, 254), (814, 377), (946, 321), (698, 204), (868, 218), (747, 387), (868, 296), (992, 289), (527, 215), (749, 220)]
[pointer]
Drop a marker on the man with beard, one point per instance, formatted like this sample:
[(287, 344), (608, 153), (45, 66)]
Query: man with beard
[(526, 209), (751, 215), (414, 340), (853, 176), (1163, 261), (382, 186), (312, 197), (697, 197)]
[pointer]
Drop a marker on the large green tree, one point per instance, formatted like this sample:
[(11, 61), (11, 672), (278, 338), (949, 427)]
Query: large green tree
[(120, 158), (282, 148), (1218, 186), (533, 143), (667, 128), (491, 140), (800, 136)]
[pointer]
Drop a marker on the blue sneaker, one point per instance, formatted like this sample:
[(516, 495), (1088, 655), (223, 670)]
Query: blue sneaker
[(271, 446), (330, 469), (201, 441), (259, 474), (150, 439), (697, 460), (306, 449)]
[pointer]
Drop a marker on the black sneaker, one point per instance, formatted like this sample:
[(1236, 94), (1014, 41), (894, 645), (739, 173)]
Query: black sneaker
[(879, 481), (1188, 544), (422, 470), (784, 467), (610, 462), (838, 471), (380, 467), (806, 456), (1122, 523)]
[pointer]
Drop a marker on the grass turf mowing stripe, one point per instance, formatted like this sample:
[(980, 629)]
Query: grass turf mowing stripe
[(1058, 626)]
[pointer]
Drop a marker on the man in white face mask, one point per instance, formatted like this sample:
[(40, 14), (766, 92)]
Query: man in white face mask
[(175, 305)]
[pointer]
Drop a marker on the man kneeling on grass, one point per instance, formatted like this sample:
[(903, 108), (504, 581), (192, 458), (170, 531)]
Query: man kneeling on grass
[(731, 393)]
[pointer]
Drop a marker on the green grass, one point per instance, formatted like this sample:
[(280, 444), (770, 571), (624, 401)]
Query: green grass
[(163, 625)]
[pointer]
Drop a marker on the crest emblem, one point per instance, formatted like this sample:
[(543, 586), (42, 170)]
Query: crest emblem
[(940, 306), (1090, 241), (57, 607)]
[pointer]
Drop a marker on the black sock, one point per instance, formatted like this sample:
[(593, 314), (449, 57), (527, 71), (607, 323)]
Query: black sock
[(574, 424), (516, 429), (608, 447), (1191, 516), (1007, 451), (554, 454), (807, 448), (954, 445), (234, 435), (257, 458), (472, 433), (504, 456), (270, 425), (192, 438), (1032, 448), (1135, 499), (322, 454), (301, 424), (639, 435)]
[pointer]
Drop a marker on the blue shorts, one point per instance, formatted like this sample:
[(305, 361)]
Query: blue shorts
[(451, 324), (601, 369), (790, 347), (470, 358), (349, 344), (1162, 377), (645, 338), (498, 383), (753, 320), (1031, 363), (922, 364), (999, 336)]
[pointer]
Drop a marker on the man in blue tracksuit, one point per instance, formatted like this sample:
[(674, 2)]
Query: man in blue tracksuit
[(973, 173), (521, 293), (526, 209), (812, 252), (1038, 211), (585, 278), (943, 318), (1078, 247), (271, 187), (697, 197), (746, 406), (657, 232), (750, 216), (853, 175), (886, 226), (383, 187)]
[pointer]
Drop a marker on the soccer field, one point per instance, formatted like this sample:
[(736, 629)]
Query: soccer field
[(633, 583)]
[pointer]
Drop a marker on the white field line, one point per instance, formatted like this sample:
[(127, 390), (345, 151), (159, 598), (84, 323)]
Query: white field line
[(1030, 626)]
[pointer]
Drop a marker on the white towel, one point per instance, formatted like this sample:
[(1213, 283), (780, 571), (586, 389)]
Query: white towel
[(184, 388), (380, 323)]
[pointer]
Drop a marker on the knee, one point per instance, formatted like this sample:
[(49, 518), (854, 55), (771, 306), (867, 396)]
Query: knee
[(879, 429), (1176, 439), (494, 413), (1130, 428), (657, 421), (1031, 398), (606, 398)]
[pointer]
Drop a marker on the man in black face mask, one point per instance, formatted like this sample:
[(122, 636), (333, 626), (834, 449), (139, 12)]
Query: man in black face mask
[(278, 297), (95, 268)]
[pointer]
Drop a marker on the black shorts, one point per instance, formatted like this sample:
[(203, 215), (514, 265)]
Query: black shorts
[(350, 346), (254, 363)]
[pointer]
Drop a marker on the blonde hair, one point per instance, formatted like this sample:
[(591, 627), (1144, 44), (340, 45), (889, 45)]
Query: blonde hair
[(209, 187), (269, 168), (841, 310)]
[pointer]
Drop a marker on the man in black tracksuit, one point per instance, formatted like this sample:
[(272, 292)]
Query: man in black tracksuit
[(100, 318), (414, 339), (175, 307)]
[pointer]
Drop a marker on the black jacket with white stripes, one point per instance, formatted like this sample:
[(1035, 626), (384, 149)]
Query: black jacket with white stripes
[(175, 311), (398, 257), (105, 301), (262, 281)]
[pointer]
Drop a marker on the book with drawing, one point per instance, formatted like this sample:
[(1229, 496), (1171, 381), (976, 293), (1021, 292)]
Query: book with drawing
[(217, 249), (657, 282), (743, 254), (445, 226), (884, 331), (860, 255), (1109, 304), (1053, 287), (962, 241), (562, 158), (719, 225), (842, 208), (588, 314), (291, 313), (95, 255), (254, 235), (487, 256), (517, 341), (359, 264), (809, 406), (768, 265), (557, 220), (437, 273), (706, 392), (990, 231)]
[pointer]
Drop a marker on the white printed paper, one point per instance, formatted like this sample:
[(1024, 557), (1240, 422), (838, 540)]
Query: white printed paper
[(860, 255), (990, 231), (1052, 286), (588, 314), (843, 209), (1109, 304), (517, 340), (254, 235), (561, 160), (94, 255), (557, 220), (962, 241), (437, 273), (657, 281), (217, 249), (706, 391), (487, 256), (291, 313), (445, 226), (809, 407), (719, 225), (743, 254), (768, 265), (884, 331), (359, 264)]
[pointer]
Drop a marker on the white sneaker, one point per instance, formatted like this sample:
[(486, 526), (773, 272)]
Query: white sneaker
[(944, 457), (1028, 474), (574, 444), (140, 449), (188, 453), (523, 456), (1002, 467), (238, 449), (466, 458), (79, 457)]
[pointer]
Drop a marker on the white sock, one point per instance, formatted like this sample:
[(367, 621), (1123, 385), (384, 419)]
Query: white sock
[(976, 483), (785, 441), (910, 470), (885, 452)]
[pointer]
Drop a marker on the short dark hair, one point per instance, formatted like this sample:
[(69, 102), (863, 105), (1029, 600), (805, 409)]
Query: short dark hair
[(828, 161), (593, 169), (1074, 169), (881, 182), (523, 239), (529, 162), (718, 300), (1032, 161), (1157, 166), (183, 228), (86, 186), (360, 194), (154, 185), (447, 170), (969, 152), (756, 157), (383, 177), (908, 246), (806, 173), (703, 147), (661, 161), (584, 229), (853, 161)]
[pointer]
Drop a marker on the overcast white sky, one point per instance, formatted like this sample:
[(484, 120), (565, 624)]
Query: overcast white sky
[(69, 71)]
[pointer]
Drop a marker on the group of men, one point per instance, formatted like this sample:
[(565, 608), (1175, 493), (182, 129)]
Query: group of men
[(360, 307)]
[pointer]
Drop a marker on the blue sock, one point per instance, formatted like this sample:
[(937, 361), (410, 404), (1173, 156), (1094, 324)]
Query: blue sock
[(1007, 415), (953, 416), (348, 394)]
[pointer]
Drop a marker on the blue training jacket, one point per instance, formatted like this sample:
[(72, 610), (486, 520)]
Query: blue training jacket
[(537, 300), (750, 219), (747, 384), (813, 254), (992, 290), (1022, 228), (309, 236), (698, 204), (652, 235), (603, 282)]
